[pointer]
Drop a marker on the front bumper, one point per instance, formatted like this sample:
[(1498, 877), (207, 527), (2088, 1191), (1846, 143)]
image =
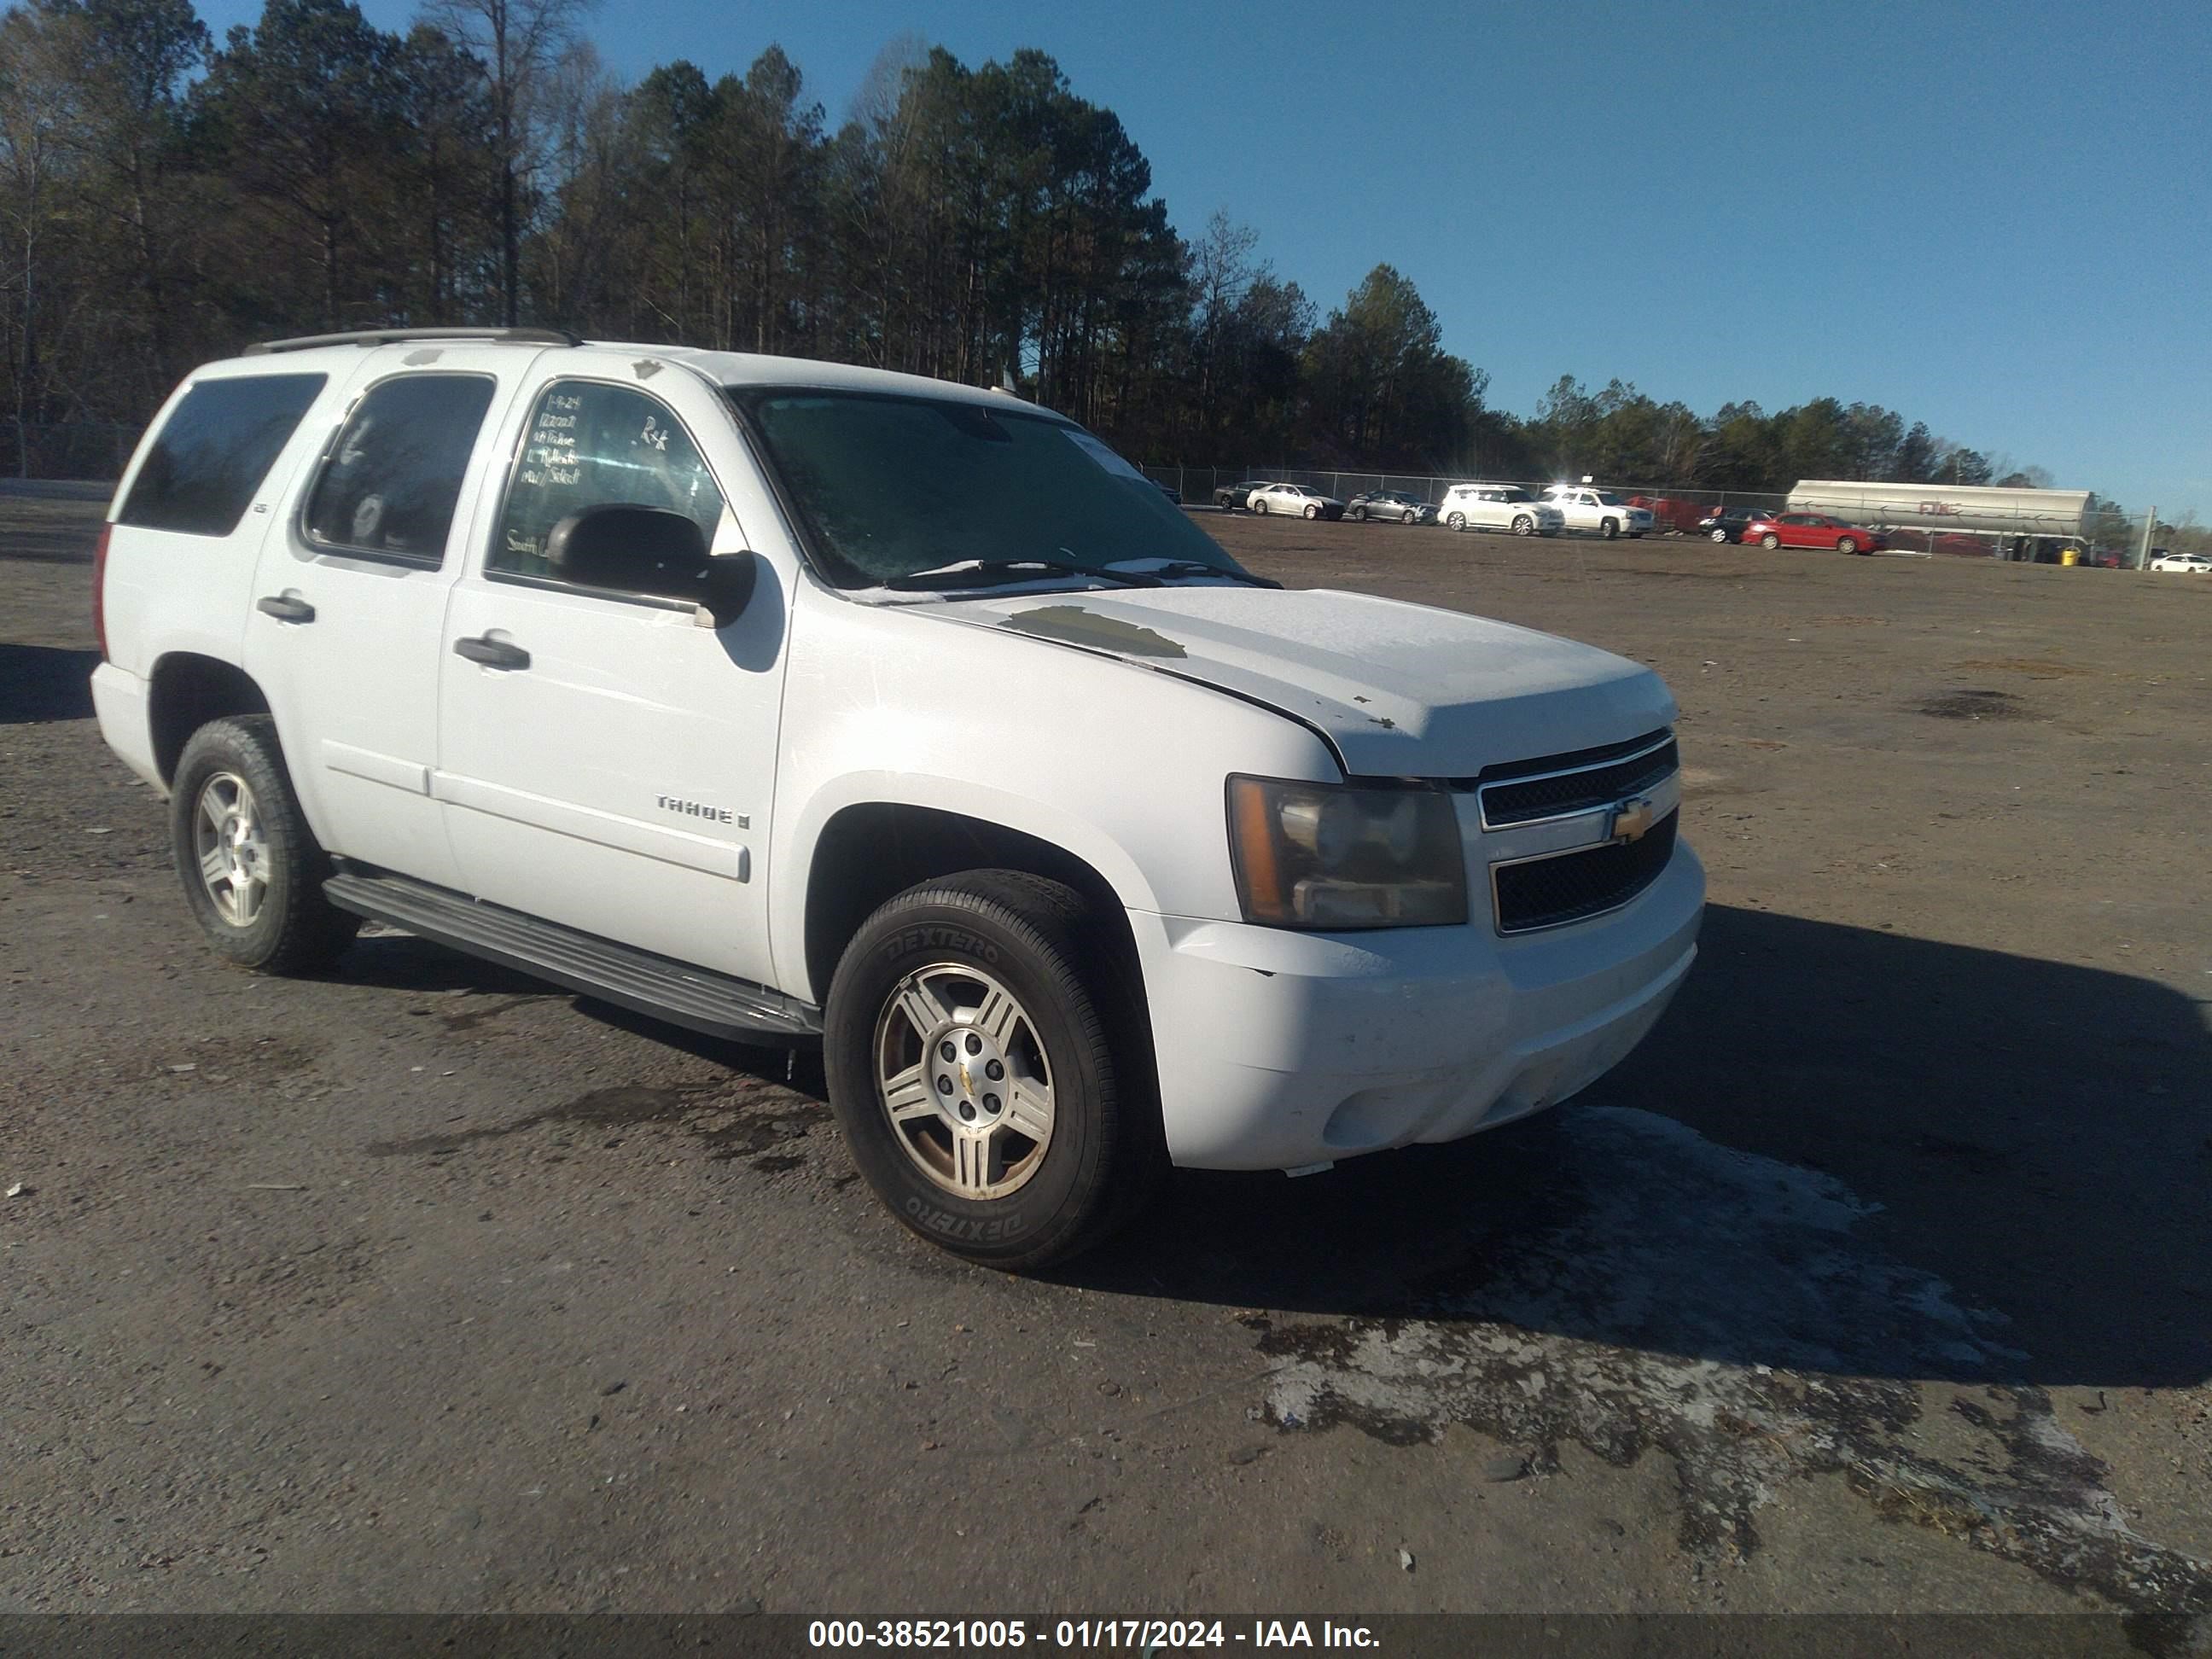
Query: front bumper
[(1280, 1049)]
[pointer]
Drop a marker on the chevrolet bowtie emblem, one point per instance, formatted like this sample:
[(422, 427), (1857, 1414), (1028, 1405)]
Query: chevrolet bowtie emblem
[(1632, 818)]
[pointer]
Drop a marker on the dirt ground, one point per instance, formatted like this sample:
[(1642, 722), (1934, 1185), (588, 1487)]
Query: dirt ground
[(1880, 1278)]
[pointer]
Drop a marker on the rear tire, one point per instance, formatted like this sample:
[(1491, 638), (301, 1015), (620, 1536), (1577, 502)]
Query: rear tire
[(1455, 521), (1070, 1145), (252, 871)]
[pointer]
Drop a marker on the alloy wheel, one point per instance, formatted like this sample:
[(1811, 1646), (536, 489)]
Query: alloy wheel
[(962, 1073), (232, 850)]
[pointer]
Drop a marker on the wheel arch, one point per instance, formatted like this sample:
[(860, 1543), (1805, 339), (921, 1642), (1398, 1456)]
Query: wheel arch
[(869, 851), (187, 689)]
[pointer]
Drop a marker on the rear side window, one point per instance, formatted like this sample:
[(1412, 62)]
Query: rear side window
[(388, 486), (213, 451)]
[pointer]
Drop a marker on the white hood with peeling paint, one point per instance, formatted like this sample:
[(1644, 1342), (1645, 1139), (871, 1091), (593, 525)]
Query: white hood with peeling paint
[(1402, 691)]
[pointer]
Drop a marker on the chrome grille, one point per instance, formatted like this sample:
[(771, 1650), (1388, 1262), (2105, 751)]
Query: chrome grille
[(1560, 787), (1556, 888)]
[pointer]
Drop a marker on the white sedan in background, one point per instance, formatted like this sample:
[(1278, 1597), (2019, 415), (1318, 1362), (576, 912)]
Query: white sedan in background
[(2187, 564), (1297, 500)]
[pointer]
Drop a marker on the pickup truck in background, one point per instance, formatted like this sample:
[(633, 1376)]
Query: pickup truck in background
[(1600, 511)]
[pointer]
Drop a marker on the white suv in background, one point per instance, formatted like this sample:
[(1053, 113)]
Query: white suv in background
[(1499, 507), (739, 690), (1600, 510)]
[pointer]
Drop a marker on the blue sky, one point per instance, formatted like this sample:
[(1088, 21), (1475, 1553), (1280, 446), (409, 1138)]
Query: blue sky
[(1995, 219)]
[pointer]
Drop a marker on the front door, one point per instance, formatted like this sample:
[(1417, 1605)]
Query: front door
[(350, 599), (604, 759)]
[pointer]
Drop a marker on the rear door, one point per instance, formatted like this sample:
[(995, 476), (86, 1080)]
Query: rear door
[(611, 768), (349, 598)]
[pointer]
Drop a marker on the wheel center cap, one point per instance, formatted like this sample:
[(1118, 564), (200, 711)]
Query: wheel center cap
[(968, 1077)]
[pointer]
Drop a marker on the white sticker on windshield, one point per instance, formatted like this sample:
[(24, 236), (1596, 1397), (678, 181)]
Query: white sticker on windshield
[(1098, 452)]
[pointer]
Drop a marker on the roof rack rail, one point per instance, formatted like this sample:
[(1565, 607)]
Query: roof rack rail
[(377, 336)]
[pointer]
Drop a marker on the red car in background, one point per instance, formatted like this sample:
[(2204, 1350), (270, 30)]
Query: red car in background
[(1810, 529)]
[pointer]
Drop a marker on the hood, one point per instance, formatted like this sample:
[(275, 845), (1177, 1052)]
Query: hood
[(1399, 690)]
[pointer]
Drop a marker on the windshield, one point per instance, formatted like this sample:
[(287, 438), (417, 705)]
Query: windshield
[(886, 486), (1515, 495), (1606, 498)]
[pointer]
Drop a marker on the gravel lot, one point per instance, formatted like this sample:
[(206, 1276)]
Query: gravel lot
[(1879, 1278)]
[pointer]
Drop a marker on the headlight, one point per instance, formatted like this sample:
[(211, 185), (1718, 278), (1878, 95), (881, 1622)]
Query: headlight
[(1336, 856)]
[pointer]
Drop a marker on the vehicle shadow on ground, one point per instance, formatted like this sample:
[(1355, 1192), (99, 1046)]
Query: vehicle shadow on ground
[(40, 683), (1843, 1150)]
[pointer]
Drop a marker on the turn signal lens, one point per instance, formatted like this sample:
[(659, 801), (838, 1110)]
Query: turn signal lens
[(1338, 856)]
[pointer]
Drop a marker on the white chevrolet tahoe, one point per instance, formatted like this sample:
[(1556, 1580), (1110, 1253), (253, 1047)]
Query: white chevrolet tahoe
[(800, 703), (1601, 510)]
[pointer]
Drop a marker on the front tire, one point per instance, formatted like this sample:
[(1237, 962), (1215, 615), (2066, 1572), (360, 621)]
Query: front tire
[(1770, 541), (1608, 528), (1720, 535), (1845, 545), (1357, 514), (1313, 512), (986, 1067), (252, 871), (1455, 521), (1523, 525), (1259, 504)]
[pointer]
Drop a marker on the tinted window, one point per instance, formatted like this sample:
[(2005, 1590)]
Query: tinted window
[(390, 483), (590, 446), (214, 450), (892, 486)]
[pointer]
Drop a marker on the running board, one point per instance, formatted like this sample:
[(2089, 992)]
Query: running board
[(696, 997)]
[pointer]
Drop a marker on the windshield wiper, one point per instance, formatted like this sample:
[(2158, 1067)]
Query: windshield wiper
[(984, 573), (1198, 568)]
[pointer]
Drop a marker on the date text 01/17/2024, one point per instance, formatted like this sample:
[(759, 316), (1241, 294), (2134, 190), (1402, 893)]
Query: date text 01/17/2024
[(1134, 1635)]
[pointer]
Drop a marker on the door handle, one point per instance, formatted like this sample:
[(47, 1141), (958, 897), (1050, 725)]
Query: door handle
[(492, 654), (285, 608)]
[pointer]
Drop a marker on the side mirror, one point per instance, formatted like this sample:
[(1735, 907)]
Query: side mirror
[(650, 550), (726, 586), (632, 549)]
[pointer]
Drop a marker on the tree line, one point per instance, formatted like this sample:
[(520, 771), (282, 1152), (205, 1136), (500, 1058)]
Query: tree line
[(169, 197)]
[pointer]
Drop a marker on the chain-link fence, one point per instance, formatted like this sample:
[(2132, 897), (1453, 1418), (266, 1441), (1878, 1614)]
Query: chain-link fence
[(1674, 507), (93, 450)]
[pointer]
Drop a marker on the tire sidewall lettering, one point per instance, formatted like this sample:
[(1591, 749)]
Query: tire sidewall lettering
[(967, 1230), (937, 936)]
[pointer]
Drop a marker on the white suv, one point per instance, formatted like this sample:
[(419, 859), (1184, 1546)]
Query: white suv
[(1600, 510), (1499, 507), (801, 703)]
